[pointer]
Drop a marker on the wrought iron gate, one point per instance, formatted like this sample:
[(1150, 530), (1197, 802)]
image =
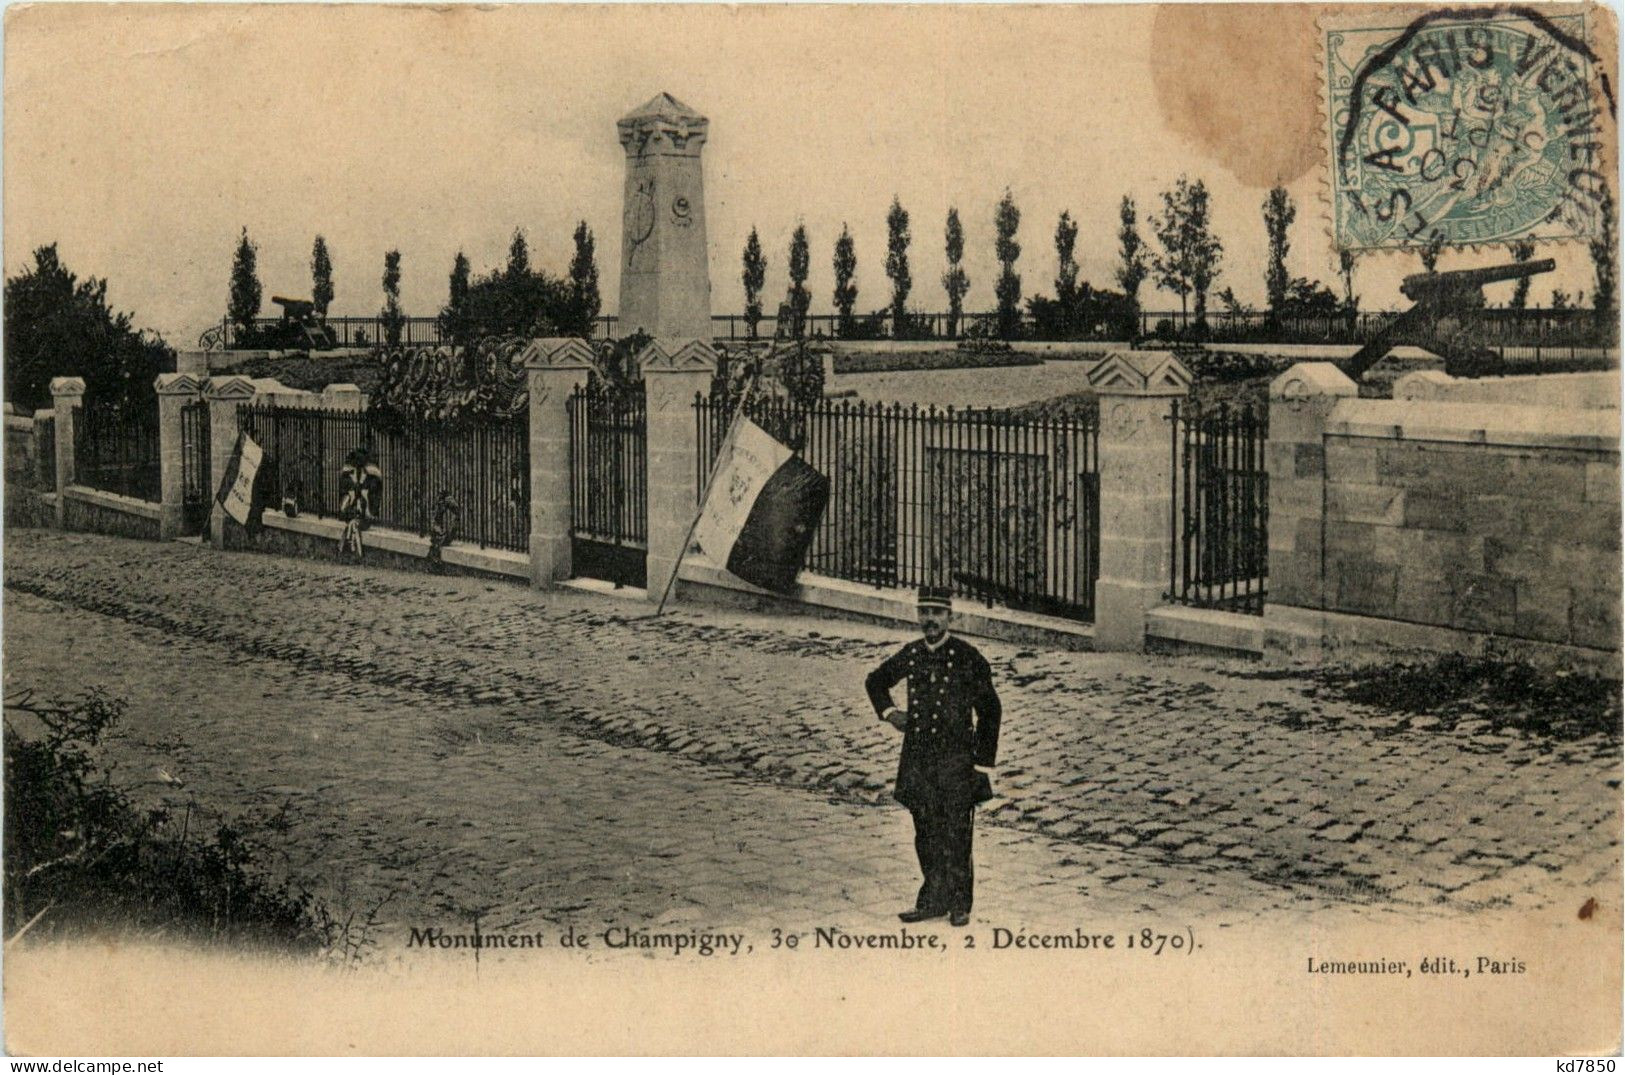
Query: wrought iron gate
[(609, 490), (1219, 519), (197, 490)]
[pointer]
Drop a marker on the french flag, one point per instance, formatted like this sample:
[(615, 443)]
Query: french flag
[(762, 509)]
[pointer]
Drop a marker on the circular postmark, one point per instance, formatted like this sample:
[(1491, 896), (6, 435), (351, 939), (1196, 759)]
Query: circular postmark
[(1466, 126)]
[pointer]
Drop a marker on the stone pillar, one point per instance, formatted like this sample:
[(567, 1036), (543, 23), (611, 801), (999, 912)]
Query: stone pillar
[(1136, 391), (555, 368), (674, 371), (343, 397), (224, 394), (1301, 400), (68, 394), (665, 277), (1422, 384), (175, 391)]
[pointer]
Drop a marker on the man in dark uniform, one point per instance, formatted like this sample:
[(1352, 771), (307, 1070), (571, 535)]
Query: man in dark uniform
[(947, 754)]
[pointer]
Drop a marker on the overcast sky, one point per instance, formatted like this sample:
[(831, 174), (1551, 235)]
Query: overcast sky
[(142, 139)]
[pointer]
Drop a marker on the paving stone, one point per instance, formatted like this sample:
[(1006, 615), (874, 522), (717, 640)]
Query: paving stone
[(1091, 742)]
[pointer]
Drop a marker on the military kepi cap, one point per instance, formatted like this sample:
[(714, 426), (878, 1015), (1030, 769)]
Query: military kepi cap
[(936, 597)]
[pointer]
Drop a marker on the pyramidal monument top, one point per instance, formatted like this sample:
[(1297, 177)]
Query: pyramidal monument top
[(663, 106)]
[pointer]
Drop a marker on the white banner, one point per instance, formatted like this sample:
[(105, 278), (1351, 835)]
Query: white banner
[(240, 496), (749, 463)]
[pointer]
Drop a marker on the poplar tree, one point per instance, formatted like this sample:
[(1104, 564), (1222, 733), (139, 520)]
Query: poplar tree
[(753, 277), (897, 240), (800, 263), (1006, 220), (321, 278), (1603, 252), (584, 302), (244, 304), (391, 315), (1521, 250), (846, 268), (1066, 269), (1131, 262), (1279, 212), (954, 280)]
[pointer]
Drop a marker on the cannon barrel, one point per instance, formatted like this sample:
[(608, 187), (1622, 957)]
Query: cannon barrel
[(1420, 284)]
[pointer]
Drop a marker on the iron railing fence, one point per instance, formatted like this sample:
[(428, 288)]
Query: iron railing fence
[(115, 445), (1536, 326), (197, 488), (47, 448), (347, 332), (1003, 509), (484, 466), (609, 489), (1556, 358), (1219, 519)]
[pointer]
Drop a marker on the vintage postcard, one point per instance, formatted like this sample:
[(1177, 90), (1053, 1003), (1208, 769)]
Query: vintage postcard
[(871, 529)]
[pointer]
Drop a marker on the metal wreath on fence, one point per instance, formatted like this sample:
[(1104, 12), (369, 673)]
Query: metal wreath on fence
[(453, 385)]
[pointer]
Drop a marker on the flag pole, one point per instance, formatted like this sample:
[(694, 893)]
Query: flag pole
[(716, 464)]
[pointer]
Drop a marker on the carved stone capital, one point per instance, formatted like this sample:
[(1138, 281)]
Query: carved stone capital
[(178, 384), (678, 356), (559, 353), (226, 388), (1307, 380), (664, 126), (1140, 373)]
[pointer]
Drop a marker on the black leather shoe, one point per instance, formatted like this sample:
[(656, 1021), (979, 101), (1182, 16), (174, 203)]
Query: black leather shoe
[(959, 918), (920, 914)]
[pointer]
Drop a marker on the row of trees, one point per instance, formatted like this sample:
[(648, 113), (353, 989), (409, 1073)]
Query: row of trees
[(1188, 263), (1187, 266), (516, 299)]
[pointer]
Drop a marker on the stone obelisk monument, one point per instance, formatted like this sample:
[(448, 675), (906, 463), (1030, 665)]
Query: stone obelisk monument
[(665, 278)]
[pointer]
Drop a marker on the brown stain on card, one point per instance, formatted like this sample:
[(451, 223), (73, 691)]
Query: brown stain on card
[(1240, 82)]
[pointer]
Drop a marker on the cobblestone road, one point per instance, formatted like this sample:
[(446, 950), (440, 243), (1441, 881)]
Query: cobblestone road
[(475, 747)]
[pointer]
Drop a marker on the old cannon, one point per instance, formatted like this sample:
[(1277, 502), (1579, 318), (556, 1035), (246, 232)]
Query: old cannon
[(1447, 318), (301, 328)]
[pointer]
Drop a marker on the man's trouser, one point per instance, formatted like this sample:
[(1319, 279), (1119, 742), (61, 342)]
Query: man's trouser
[(942, 840)]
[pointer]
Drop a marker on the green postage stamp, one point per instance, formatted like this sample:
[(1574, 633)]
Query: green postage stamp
[(1465, 125)]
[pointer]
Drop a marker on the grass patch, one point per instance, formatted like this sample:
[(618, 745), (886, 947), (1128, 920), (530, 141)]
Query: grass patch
[(82, 858), (946, 359), (312, 374), (1452, 689)]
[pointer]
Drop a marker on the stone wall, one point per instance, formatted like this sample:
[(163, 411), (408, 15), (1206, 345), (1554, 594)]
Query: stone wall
[(1519, 541), (1584, 391), (1482, 525), (105, 513), (318, 540), (29, 478)]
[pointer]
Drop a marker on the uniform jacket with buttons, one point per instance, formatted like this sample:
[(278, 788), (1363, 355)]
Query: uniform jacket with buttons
[(953, 722)]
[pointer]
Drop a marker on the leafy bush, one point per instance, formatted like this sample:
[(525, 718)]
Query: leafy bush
[(57, 325), (912, 326), (1481, 363), (978, 345), (1223, 366), (80, 856), (872, 327), (955, 359), (517, 300)]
